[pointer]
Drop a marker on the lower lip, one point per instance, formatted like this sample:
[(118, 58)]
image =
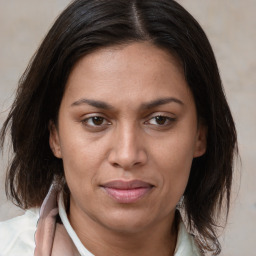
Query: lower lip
[(127, 196)]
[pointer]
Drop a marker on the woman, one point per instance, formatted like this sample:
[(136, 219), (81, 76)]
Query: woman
[(120, 123)]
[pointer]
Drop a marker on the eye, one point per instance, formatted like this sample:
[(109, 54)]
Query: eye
[(160, 120), (95, 121)]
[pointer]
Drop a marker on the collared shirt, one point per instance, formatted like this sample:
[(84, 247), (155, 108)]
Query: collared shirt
[(37, 233)]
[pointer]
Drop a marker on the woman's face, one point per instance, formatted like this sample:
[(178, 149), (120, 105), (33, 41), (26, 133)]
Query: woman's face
[(127, 134)]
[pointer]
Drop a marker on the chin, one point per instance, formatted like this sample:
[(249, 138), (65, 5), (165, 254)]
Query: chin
[(127, 221)]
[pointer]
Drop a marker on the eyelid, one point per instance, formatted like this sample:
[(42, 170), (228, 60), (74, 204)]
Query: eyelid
[(169, 116), (161, 114), (95, 116), (88, 117)]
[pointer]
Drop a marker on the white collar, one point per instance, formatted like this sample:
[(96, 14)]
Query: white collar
[(63, 215)]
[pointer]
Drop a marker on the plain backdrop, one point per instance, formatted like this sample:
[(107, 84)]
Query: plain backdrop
[(231, 28)]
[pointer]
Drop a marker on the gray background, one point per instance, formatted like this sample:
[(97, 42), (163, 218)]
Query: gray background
[(231, 28)]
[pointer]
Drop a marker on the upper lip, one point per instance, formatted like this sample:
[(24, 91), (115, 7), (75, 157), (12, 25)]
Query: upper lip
[(132, 184)]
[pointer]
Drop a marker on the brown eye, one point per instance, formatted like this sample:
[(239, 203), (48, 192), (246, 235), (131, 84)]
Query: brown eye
[(161, 120), (97, 120)]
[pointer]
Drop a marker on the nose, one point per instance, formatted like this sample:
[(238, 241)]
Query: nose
[(127, 150)]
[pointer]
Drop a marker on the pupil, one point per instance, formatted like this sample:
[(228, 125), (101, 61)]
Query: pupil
[(97, 120), (160, 119)]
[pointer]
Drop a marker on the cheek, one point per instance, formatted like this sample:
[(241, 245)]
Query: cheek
[(80, 160), (175, 172), (174, 158)]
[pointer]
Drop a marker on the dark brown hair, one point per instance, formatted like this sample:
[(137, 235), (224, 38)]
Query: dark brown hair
[(85, 26)]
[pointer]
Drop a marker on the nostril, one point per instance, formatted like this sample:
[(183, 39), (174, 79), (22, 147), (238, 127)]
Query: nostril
[(127, 159), (125, 166)]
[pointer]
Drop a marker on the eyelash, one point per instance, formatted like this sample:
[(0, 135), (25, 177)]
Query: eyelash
[(86, 121), (168, 121)]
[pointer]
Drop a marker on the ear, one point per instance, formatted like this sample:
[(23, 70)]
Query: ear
[(201, 140), (54, 140)]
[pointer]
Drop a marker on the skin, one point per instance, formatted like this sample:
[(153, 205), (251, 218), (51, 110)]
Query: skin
[(127, 142)]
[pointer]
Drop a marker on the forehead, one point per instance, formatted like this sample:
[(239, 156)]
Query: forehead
[(134, 71), (133, 57)]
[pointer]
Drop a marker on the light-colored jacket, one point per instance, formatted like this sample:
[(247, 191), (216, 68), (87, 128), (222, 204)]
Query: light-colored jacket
[(37, 233)]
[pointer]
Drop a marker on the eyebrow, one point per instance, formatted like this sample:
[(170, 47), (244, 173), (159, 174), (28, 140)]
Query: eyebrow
[(93, 103), (146, 105), (159, 102)]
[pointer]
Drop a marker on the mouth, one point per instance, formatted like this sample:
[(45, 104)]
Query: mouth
[(127, 191)]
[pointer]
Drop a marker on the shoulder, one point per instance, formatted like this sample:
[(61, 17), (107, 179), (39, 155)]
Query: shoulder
[(17, 234)]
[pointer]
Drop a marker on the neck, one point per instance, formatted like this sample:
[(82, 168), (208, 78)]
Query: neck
[(156, 239)]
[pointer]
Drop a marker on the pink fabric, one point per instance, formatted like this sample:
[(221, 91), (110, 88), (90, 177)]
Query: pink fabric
[(52, 238)]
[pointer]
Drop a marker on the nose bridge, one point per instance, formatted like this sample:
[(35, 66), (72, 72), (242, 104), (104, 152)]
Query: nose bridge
[(127, 143), (127, 147)]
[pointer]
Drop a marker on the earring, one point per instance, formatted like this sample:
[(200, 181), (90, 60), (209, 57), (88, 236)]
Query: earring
[(180, 203)]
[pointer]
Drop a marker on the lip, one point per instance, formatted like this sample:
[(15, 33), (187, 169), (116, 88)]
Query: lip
[(127, 191)]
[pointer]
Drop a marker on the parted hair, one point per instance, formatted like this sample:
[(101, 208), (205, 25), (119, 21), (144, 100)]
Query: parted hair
[(85, 26)]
